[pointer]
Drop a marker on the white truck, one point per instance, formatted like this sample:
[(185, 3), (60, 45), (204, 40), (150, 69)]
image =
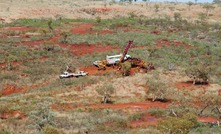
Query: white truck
[(110, 60), (68, 75)]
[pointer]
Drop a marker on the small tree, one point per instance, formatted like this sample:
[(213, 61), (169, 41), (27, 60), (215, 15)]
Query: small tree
[(156, 6), (177, 16), (106, 91), (190, 4), (152, 49), (64, 36), (212, 100), (98, 19), (208, 8), (157, 88), (41, 118), (202, 18), (126, 66), (200, 73), (51, 130), (50, 26)]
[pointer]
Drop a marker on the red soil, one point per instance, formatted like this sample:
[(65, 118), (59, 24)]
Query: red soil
[(62, 107), (155, 32), (87, 29), (105, 32), (189, 86), (104, 9), (207, 119), (135, 105), (93, 70), (145, 121), (12, 114), (82, 28), (164, 42), (11, 89)]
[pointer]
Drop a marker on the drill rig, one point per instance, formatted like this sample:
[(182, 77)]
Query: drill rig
[(114, 59), (121, 58)]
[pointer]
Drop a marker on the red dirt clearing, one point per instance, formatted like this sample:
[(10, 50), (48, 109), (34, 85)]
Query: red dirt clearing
[(82, 28), (138, 105), (93, 70), (11, 89), (62, 107), (165, 42), (207, 119), (189, 86), (105, 9), (12, 114), (145, 121)]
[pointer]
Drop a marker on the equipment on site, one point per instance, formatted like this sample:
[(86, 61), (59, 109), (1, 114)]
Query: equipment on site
[(121, 58), (114, 59), (68, 75)]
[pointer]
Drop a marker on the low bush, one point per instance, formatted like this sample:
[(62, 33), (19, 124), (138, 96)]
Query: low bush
[(178, 125), (51, 130), (157, 112)]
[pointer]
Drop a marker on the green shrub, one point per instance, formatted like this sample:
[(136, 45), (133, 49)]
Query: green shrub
[(4, 132), (126, 66), (173, 125), (157, 112), (106, 91), (135, 117), (157, 89), (51, 130), (41, 118)]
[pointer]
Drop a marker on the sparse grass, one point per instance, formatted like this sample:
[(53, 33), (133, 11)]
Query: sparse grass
[(44, 22), (40, 76), (157, 112), (117, 39)]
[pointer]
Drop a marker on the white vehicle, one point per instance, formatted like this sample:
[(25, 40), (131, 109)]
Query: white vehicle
[(110, 60), (115, 59), (68, 75)]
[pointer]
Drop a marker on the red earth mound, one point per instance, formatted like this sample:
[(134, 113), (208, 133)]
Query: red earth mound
[(135, 105), (145, 121), (189, 86), (12, 114), (164, 42), (82, 28), (62, 107), (88, 29), (104, 9), (11, 89), (92, 70), (207, 119)]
